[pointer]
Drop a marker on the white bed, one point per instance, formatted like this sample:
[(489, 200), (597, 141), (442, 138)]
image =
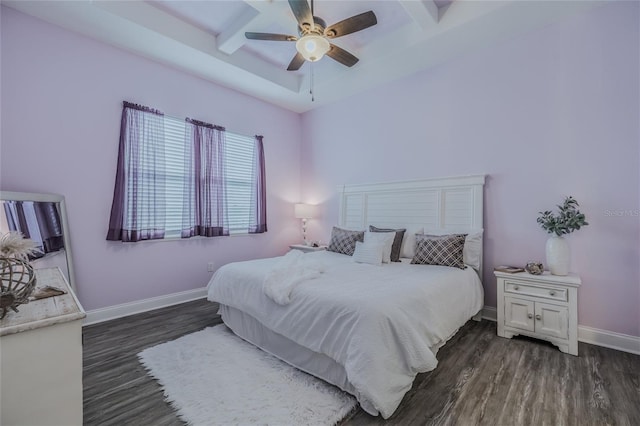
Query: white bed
[(367, 329)]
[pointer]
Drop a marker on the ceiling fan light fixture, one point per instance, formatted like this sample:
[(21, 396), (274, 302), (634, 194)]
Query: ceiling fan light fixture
[(312, 47)]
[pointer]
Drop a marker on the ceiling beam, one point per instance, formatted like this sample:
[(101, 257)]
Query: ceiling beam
[(260, 15), (233, 38), (424, 13)]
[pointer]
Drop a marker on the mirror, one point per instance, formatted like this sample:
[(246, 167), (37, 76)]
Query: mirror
[(42, 218)]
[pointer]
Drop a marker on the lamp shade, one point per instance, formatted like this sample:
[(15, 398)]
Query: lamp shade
[(312, 47), (304, 211)]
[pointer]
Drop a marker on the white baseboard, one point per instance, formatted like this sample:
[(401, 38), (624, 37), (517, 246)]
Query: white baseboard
[(594, 336), (490, 313), (118, 311), (609, 339)]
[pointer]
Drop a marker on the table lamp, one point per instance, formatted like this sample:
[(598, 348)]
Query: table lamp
[(304, 212)]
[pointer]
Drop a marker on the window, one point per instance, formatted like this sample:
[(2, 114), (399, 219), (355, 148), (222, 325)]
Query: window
[(174, 138), (238, 166), (178, 178)]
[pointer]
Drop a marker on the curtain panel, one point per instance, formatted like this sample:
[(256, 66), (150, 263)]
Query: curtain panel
[(138, 209), (258, 218), (205, 211)]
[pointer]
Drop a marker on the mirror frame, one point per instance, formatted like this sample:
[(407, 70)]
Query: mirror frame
[(55, 198)]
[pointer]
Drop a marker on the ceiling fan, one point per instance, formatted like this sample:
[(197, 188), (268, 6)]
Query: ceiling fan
[(313, 42)]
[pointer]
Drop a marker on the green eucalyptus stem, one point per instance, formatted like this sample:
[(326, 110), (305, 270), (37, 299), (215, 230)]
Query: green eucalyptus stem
[(567, 220)]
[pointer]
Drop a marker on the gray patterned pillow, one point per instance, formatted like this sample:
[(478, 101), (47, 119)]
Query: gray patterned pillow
[(445, 250), (344, 241), (397, 241)]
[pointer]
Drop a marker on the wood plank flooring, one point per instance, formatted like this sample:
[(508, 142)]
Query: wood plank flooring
[(481, 379), (117, 390)]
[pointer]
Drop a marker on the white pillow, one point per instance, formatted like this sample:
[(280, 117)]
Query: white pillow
[(384, 238), (409, 242), (368, 253), (472, 251)]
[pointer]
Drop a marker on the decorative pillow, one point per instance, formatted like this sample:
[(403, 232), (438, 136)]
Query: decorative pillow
[(344, 241), (445, 250), (397, 241), (384, 238), (409, 244), (368, 252), (472, 246)]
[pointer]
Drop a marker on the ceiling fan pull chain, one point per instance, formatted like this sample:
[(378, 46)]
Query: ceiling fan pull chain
[(311, 83)]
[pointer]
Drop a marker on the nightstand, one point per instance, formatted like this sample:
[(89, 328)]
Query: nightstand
[(540, 306), (306, 249)]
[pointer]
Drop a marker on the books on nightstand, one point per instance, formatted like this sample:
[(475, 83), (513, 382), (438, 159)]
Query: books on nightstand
[(508, 269)]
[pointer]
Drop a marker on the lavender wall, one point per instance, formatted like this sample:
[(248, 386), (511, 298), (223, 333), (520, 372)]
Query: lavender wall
[(61, 105), (550, 114)]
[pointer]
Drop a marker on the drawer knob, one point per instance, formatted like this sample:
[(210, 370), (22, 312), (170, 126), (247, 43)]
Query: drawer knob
[(530, 316), (538, 317), (552, 293), (516, 287)]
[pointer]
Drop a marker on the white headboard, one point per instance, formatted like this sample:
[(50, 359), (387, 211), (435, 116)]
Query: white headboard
[(443, 204)]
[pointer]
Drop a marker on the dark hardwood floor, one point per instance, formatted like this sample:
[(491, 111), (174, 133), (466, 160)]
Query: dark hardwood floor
[(481, 379), (117, 390)]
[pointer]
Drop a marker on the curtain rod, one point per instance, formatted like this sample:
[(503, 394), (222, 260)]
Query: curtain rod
[(191, 120)]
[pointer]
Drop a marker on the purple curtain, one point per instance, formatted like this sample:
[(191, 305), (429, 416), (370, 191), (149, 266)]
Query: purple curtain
[(38, 221), (138, 209), (258, 218), (205, 198), (50, 226)]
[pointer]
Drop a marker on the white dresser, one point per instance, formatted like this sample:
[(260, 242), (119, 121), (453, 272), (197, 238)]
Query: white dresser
[(541, 306), (41, 358)]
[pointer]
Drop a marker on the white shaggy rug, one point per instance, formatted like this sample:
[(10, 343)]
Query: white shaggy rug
[(212, 377)]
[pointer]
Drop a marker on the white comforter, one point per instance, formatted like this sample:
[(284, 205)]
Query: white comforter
[(384, 324), (289, 272)]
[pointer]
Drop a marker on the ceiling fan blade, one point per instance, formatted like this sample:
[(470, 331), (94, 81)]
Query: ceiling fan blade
[(351, 25), (270, 37), (342, 56), (301, 11), (296, 62)]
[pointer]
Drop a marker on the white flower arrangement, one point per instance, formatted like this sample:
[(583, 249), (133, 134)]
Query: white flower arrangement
[(13, 244)]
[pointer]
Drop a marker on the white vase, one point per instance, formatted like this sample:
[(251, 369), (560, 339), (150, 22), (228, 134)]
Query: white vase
[(558, 255)]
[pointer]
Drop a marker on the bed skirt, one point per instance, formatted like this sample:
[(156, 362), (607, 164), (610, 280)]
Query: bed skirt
[(314, 363)]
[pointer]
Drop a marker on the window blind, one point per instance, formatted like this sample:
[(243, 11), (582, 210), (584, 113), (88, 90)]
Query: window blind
[(238, 168), (174, 137)]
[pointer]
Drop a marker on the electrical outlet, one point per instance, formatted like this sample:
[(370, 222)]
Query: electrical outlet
[(210, 267)]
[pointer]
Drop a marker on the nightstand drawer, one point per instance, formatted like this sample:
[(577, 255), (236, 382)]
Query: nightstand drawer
[(552, 293)]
